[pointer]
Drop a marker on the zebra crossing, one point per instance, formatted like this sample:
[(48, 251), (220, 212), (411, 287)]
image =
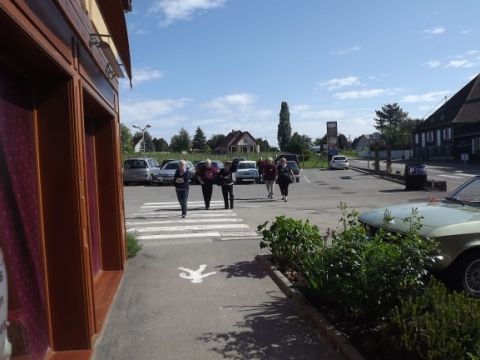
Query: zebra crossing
[(160, 223)]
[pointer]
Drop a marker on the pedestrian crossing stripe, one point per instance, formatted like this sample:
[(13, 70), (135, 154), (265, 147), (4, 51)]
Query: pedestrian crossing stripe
[(177, 205), (195, 214), (183, 221), (176, 202), (188, 228)]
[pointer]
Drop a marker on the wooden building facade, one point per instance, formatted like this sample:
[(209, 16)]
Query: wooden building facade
[(61, 196)]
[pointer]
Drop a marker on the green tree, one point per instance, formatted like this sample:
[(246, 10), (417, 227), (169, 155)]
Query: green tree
[(299, 144), (199, 140), (318, 141), (284, 133), (264, 145), (160, 144), (388, 120), (342, 142), (136, 138), (148, 142), (215, 140), (126, 138), (181, 141)]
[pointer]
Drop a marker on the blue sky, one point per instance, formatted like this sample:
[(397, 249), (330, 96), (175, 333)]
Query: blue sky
[(228, 64)]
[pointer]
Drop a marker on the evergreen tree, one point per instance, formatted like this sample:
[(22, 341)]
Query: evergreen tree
[(388, 121), (125, 139), (215, 140), (160, 145), (181, 141), (199, 140), (284, 132)]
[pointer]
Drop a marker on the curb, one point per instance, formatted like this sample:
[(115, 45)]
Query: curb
[(326, 329), (378, 174)]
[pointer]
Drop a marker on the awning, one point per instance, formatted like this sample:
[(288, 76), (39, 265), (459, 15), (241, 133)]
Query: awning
[(112, 11)]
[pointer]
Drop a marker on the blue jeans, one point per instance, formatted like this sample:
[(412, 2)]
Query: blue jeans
[(182, 196)]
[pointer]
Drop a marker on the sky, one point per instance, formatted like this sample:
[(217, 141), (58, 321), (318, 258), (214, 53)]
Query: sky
[(225, 65)]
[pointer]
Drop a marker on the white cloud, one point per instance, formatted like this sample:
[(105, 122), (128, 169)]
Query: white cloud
[(142, 75), (174, 10), (460, 64), (433, 63), (435, 31), (334, 84), (360, 94), (141, 32), (346, 51), (232, 103), (466, 31), (141, 112), (305, 112), (427, 97)]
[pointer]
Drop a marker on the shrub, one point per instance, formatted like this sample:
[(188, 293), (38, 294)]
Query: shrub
[(288, 240), (133, 245), (436, 325)]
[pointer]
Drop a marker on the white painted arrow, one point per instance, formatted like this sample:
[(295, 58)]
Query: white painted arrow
[(195, 275)]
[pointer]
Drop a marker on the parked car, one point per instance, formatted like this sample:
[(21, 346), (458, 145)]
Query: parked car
[(217, 164), (247, 171), (339, 162), (162, 164), (235, 162), (454, 223), (140, 170), (288, 157), (295, 169), (165, 175)]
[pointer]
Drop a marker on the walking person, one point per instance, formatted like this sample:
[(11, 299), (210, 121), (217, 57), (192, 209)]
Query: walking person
[(180, 179), (226, 182), (206, 175), (285, 177), (269, 176)]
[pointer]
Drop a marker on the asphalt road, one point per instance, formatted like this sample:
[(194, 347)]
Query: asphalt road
[(169, 306)]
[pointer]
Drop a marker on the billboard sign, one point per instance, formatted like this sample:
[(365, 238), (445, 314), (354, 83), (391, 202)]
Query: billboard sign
[(332, 134)]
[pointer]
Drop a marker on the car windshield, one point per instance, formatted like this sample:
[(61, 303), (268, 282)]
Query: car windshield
[(293, 165), (171, 166), (246, 166), (135, 164), (341, 158), (468, 193)]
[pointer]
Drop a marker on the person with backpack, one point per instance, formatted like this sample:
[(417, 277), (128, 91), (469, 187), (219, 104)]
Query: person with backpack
[(226, 182), (284, 178)]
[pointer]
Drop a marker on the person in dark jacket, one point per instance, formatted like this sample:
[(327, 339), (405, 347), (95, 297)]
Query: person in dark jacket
[(285, 176), (226, 182), (180, 179), (269, 176), (206, 176)]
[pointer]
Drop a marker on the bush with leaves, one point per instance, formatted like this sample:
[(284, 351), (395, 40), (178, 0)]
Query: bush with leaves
[(133, 245), (436, 325), (289, 240)]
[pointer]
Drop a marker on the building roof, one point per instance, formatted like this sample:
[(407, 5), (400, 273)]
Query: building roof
[(233, 137), (463, 107)]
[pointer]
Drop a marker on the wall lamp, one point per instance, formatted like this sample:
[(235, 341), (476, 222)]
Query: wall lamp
[(113, 67)]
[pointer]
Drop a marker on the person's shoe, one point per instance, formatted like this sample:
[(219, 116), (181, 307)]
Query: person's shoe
[(207, 207), (285, 199), (226, 206), (183, 215)]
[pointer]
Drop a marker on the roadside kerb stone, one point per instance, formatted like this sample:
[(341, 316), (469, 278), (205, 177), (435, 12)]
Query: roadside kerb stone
[(325, 328)]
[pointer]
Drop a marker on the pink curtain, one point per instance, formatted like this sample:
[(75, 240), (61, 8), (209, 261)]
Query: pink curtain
[(19, 218)]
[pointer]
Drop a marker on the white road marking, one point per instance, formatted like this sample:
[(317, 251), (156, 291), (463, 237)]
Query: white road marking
[(195, 214), (464, 174), (195, 276), (188, 228), (214, 234), (306, 178), (177, 205), (183, 221), (449, 176), (176, 202)]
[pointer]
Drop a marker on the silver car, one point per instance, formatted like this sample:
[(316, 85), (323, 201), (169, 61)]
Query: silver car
[(165, 175), (141, 170), (339, 162), (247, 171)]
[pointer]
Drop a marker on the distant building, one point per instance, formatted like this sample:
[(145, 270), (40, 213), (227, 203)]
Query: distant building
[(453, 129), (363, 141), (237, 142)]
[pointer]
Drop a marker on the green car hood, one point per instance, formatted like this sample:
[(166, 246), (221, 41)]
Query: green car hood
[(438, 218)]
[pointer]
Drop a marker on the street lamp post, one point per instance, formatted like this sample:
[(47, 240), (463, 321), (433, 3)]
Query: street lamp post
[(143, 136)]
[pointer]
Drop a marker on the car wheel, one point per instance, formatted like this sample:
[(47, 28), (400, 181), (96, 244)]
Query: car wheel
[(466, 273), (298, 180)]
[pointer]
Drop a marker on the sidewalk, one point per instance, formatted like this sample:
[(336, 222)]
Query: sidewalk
[(236, 313)]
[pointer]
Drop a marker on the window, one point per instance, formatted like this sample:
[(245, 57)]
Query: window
[(476, 145), (417, 140), (439, 137)]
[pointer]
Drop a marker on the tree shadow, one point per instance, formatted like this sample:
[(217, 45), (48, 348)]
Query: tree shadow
[(271, 330), (243, 269)]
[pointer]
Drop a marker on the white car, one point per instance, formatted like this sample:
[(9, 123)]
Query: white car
[(339, 162), (247, 171)]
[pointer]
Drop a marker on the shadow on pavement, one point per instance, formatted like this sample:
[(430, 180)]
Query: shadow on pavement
[(270, 330), (243, 269)]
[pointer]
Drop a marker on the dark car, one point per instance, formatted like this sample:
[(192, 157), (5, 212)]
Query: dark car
[(295, 169), (217, 164), (288, 157)]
